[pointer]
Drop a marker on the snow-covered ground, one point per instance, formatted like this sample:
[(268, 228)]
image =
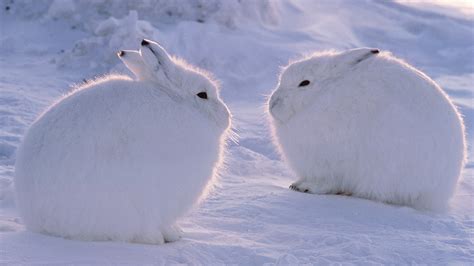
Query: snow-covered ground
[(251, 217)]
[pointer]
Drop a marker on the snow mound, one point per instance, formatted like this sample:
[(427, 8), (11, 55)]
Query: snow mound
[(109, 36), (114, 25)]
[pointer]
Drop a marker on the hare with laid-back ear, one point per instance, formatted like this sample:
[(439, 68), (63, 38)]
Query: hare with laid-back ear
[(121, 159), (365, 123)]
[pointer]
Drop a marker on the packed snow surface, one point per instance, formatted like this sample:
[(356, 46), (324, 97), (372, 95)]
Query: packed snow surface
[(250, 217)]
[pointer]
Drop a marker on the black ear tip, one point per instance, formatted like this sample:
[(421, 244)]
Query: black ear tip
[(121, 53), (375, 51), (145, 42)]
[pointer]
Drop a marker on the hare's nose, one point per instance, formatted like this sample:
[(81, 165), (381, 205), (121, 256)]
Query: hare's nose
[(274, 101), (375, 51), (121, 53), (145, 42)]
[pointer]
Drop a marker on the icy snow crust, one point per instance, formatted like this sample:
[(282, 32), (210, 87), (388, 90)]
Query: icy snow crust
[(251, 217)]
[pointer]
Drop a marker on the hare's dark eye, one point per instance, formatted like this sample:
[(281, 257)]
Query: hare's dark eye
[(304, 83), (202, 95)]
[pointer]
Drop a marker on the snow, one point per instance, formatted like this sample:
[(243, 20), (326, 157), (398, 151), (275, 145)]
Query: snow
[(452, 7), (251, 217)]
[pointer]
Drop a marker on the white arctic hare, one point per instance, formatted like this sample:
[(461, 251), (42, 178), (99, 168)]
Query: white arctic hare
[(365, 123), (121, 159)]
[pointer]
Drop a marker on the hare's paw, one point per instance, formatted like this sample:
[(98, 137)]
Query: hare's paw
[(172, 233), (313, 186), (297, 186)]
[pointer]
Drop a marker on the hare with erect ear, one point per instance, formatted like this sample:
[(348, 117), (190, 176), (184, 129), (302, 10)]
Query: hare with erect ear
[(365, 123), (121, 159)]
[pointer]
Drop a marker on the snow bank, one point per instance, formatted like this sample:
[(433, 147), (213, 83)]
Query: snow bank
[(109, 36), (113, 25), (455, 8)]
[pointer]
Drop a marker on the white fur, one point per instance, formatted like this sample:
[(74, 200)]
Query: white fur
[(119, 159), (135, 63), (369, 125)]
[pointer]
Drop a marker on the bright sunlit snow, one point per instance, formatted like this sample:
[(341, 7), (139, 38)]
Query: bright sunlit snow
[(251, 217)]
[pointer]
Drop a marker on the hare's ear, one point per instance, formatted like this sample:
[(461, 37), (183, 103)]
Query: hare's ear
[(135, 63), (155, 56), (358, 55)]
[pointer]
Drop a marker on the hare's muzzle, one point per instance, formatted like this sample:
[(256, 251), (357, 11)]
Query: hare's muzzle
[(273, 102)]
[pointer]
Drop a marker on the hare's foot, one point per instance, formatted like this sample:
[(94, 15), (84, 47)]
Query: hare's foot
[(312, 186), (172, 233), (297, 187)]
